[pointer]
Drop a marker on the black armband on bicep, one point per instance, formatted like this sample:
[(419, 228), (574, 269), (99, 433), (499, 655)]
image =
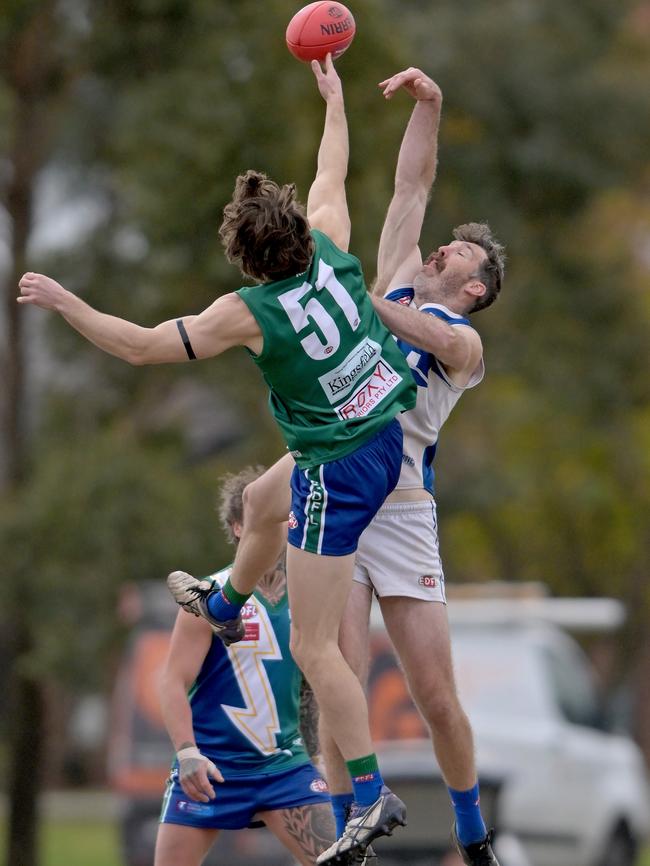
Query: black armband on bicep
[(185, 339)]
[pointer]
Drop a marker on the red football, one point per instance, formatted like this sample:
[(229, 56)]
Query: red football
[(320, 28)]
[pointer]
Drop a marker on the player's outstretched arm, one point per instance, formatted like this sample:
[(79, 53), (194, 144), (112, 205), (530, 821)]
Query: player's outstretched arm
[(225, 323), (399, 256), (458, 347), (327, 206), (189, 646)]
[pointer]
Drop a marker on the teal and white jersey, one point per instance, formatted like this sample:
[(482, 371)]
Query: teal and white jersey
[(246, 699)]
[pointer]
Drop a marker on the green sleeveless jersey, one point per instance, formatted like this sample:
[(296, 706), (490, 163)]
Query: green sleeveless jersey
[(334, 370)]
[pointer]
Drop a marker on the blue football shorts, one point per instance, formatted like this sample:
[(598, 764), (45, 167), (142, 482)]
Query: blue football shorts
[(240, 798), (332, 503)]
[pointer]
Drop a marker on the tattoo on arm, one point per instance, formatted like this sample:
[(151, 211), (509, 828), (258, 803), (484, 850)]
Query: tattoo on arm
[(312, 827), (309, 718)]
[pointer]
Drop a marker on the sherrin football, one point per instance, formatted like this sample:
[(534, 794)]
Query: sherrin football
[(320, 28)]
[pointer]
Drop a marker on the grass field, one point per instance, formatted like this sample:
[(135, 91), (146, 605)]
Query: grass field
[(72, 843), (95, 843)]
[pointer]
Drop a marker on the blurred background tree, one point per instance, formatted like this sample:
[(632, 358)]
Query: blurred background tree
[(123, 127)]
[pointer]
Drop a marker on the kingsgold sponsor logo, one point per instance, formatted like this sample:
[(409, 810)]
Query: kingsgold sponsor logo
[(340, 381)]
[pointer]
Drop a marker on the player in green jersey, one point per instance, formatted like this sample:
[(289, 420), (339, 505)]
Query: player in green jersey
[(332, 366)]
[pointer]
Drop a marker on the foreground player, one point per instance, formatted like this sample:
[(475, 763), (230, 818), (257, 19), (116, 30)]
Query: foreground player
[(240, 756), (398, 556), (337, 382)]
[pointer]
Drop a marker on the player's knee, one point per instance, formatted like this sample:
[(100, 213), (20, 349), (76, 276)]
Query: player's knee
[(255, 505), (299, 648), (171, 851), (260, 507), (252, 500), (305, 652), (442, 710)]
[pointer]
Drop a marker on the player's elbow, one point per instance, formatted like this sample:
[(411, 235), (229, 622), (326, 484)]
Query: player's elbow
[(171, 688), (449, 350), (140, 350), (454, 350), (135, 359), (163, 689)]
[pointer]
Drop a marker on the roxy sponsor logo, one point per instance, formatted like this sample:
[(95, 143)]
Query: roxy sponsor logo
[(319, 786), (340, 381), (376, 388), (429, 581)]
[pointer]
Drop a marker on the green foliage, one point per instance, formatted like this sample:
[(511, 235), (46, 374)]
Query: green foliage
[(92, 518), (543, 472)]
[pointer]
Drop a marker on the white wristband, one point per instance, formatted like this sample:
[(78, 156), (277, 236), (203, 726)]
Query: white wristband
[(190, 752)]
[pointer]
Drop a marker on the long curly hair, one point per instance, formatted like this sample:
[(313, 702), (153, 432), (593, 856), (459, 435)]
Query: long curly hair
[(265, 230)]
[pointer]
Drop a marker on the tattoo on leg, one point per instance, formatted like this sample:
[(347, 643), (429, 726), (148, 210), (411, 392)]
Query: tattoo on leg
[(309, 718), (312, 827)]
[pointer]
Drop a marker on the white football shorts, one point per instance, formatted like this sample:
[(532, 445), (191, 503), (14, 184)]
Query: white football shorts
[(398, 553)]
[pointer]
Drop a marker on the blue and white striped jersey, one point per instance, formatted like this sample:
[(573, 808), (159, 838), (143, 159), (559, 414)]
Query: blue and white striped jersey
[(436, 397)]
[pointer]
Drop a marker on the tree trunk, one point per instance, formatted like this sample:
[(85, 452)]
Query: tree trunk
[(32, 78), (19, 207), (26, 738)]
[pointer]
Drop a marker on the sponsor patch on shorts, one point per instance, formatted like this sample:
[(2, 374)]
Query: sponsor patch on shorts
[(319, 786), (376, 387), (192, 808), (293, 522), (428, 580)]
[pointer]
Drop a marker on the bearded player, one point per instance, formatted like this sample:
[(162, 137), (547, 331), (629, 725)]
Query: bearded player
[(427, 306)]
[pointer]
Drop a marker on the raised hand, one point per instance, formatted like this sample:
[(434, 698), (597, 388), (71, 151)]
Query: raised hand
[(329, 83), (41, 291), (415, 82)]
